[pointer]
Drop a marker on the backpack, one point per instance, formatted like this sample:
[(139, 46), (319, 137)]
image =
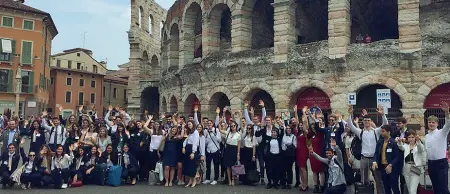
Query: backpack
[(356, 146)]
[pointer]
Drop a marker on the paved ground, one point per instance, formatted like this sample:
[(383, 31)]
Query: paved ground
[(145, 189)]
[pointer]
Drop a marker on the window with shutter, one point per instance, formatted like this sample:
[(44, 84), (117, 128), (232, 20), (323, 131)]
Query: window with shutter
[(28, 24), (8, 56), (31, 82), (9, 82), (7, 21), (26, 56), (25, 81), (4, 78)]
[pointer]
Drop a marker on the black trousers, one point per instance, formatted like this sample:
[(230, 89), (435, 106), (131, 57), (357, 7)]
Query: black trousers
[(273, 168), (80, 173), (130, 172), (214, 157), (260, 157), (5, 177), (287, 173), (153, 159), (60, 176), (34, 178), (297, 173), (143, 163), (438, 171), (337, 189)]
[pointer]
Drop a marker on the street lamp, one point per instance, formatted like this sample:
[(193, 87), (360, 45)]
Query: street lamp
[(18, 87)]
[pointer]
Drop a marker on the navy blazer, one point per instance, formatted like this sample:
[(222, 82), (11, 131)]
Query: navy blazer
[(104, 157), (40, 140), (337, 129), (87, 158), (4, 162), (394, 157), (266, 139), (36, 162), (133, 161)]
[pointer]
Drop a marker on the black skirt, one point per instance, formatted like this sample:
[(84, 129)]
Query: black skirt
[(190, 166), (230, 156), (246, 157)]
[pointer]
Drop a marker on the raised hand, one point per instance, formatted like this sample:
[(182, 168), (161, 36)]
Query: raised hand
[(311, 150), (364, 112), (195, 108), (445, 108), (304, 109), (252, 110), (80, 108), (332, 142), (44, 113), (261, 103), (110, 108), (246, 103), (295, 108), (150, 117), (350, 109), (60, 108), (217, 110), (380, 110), (163, 115)]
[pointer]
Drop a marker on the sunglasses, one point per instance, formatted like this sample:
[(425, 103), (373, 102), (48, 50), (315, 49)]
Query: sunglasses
[(31, 155), (233, 125)]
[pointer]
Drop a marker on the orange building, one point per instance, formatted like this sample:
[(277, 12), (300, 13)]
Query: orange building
[(26, 37), (76, 79)]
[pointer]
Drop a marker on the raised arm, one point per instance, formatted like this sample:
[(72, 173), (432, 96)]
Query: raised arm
[(216, 122), (263, 111), (196, 115), (356, 131), (44, 122), (323, 160), (108, 122), (446, 128), (246, 115)]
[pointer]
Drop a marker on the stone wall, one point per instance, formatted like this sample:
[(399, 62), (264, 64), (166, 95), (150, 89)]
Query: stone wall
[(411, 66), (145, 45)]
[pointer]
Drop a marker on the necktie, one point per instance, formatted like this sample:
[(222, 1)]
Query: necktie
[(55, 136), (10, 161)]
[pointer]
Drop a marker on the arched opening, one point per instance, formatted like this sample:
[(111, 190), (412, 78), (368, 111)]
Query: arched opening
[(154, 67), (145, 64), (311, 20), (173, 106), (220, 100), (312, 97), (154, 61), (163, 105), (434, 101), (150, 24), (220, 27), (161, 28), (192, 36), (191, 102), (366, 98), (140, 16), (150, 100), (376, 18), (262, 24), (258, 94), (174, 46)]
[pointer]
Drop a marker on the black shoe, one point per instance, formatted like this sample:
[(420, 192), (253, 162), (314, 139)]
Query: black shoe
[(284, 187), (322, 189), (288, 187), (262, 181), (3, 186), (269, 186), (316, 189), (276, 187), (297, 184)]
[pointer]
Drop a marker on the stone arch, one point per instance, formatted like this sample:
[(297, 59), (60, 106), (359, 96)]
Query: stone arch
[(322, 98), (174, 46), (145, 64), (155, 61), (221, 89), (163, 105), (433, 101), (221, 100), (256, 94), (311, 21), (301, 85), (189, 103), (164, 49), (192, 31), (189, 91), (219, 28), (390, 83), (247, 89), (173, 105), (432, 83)]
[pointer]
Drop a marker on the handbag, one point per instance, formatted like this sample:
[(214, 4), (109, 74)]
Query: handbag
[(238, 169), (253, 175), (15, 176), (416, 170)]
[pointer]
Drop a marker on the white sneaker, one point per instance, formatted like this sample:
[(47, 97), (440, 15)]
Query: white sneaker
[(206, 182), (214, 183), (181, 183), (64, 186)]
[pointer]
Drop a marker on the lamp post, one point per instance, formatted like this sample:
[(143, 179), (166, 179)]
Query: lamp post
[(18, 87)]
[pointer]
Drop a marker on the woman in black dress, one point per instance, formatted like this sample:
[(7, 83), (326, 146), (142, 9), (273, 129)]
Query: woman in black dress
[(232, 149), (191, 154), (170, 155)]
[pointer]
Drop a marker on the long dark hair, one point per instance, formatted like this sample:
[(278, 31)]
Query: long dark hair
[(252, 133), (190, 131)]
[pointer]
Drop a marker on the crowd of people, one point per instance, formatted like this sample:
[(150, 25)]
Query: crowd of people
[(244, 149)]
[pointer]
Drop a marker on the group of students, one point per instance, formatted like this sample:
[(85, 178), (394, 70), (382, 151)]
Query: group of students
[(71, 151)]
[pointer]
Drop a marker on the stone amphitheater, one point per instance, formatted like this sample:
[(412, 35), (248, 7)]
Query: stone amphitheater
[(214, 53)]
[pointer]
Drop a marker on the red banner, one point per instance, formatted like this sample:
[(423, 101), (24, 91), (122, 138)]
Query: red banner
[(313, 97), (437, 96)]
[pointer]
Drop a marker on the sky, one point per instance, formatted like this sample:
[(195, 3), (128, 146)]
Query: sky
[(99, 25)]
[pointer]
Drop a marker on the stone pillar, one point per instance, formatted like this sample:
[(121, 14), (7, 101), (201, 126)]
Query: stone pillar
[(339, 28), (339, 103), (414, 116), (241, 32), (408, 26), (174, 54), (284, 19)]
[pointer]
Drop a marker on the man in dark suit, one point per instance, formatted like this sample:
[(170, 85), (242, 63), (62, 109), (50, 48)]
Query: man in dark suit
[(9, 162), (400, 133), (10, 135), (387, 158)]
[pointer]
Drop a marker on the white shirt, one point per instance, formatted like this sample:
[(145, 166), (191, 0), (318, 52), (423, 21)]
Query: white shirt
[(59, 131), (233, 138), (250, 142), (288, 140), (194, 140), (436, 142), (274, 147), (369, 140), (202, 145), (155, 142), (212, 140), (62, 162)]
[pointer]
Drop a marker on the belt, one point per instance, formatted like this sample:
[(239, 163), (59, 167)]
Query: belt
[(367, 157)]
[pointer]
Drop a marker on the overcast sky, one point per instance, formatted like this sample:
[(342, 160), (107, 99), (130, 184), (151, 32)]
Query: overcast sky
[(99, 25)]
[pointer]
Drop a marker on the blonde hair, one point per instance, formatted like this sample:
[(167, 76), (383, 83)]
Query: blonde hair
[(433, 118)]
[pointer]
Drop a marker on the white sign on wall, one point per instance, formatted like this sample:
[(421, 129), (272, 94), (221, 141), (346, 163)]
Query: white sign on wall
[(31, 104), (352, 98), (384, 98)]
